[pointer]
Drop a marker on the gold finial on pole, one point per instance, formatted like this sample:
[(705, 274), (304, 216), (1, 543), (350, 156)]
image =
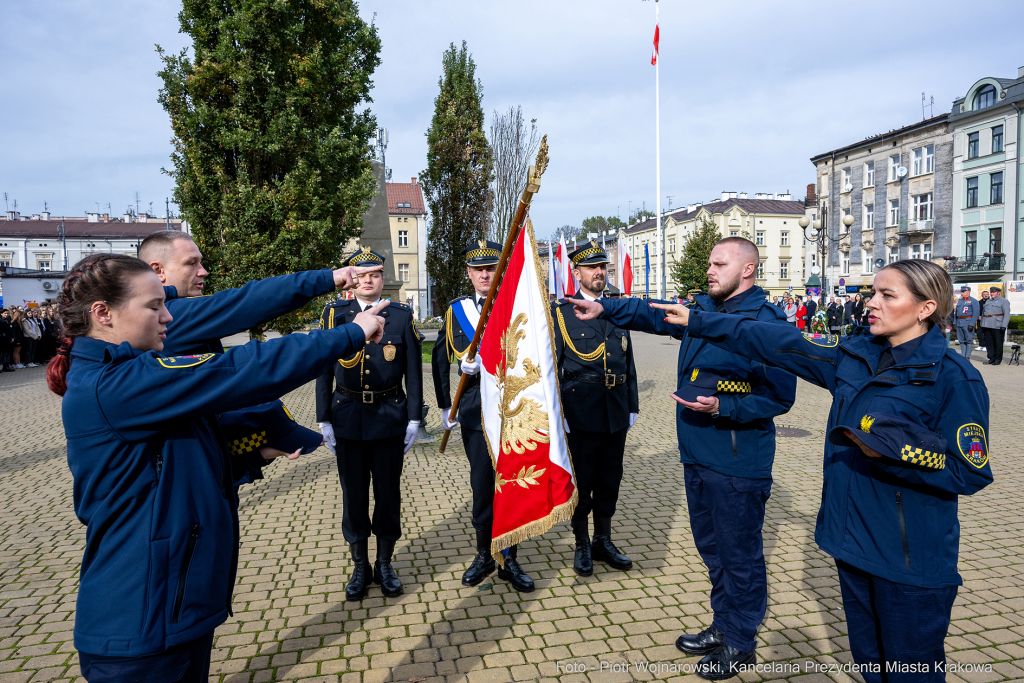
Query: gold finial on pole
[(539, 166)]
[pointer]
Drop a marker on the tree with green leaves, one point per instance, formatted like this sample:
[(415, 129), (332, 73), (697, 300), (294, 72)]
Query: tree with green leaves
[(691, 270), (456, 181), (271, 135)]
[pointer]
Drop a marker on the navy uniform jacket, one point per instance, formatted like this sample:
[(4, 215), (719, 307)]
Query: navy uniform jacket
[(740, 442), (200, 322), (588, 406), (966, 312), (371, 369), (453, 341), (152, 482), (891, 519)]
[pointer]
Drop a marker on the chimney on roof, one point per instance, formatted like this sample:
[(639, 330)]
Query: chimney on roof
[(93, 217), (143, 217), (46, 215), (126, 218), (811, 196), (13, 215), (106, 218), (784, 197), (1020, 72), (743, 195), (414, 180), (35, 217)]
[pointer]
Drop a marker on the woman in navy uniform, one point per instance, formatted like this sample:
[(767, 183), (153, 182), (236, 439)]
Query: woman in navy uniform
[(600, 400), (460, 323), (370, 423), (151, 479), (888, 518)]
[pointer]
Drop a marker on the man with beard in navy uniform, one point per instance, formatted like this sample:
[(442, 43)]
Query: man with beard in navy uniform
[(370, 423)]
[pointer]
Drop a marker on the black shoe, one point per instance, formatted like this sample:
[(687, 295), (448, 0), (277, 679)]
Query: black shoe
[(996, 362), (723, 663), (604, 550), (988, 362), (514, 574), (582, 563), (383, 573), (362, 573), (483, 564), (705, 642)]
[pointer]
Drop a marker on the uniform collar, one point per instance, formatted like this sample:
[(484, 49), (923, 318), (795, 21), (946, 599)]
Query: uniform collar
[(930, 350), (101, 351), (170, 292), (745, 302), (582, 295)]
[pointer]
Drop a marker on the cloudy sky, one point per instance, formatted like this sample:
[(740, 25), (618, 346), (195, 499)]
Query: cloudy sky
[(749, 90)]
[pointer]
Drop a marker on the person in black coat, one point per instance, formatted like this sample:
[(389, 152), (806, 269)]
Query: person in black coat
[(835, 315), (812, 307), (6, 341)]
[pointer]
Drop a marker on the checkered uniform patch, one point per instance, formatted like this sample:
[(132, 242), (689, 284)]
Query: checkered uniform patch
[(919, 456), (478, 253), (734, 387), (248, 443), (587, 253)]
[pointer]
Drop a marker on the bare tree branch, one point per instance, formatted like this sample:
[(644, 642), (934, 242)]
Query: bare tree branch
[(513, 145)]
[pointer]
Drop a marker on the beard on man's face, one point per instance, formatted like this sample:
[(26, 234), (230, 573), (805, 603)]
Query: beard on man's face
[(722, 290)]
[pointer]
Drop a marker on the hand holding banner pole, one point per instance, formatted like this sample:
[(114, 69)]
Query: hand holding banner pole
[(532, 188)]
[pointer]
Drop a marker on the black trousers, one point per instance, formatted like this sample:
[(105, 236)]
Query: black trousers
[(481, 478), (597, 462), (994, 346), (360, 464), (186, 663)]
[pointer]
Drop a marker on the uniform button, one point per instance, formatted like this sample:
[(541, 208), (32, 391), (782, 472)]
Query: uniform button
[(367, 372), (366, 386), (367, 342)]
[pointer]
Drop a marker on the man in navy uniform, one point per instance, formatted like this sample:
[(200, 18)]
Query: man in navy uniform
[(370, 423), (727, 444), (965, 314), (600, 402), (459, 327)]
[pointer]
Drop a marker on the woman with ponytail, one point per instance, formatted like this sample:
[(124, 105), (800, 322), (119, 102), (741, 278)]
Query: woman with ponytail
[(151, 480)]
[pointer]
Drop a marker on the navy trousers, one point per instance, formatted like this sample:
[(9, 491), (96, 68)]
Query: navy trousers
[(900, 628), (376, 462), (186, 663), (597, 459), (726, 517), (481, 478)]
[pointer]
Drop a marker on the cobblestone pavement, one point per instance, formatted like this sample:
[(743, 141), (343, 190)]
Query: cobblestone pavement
[(292, 622)]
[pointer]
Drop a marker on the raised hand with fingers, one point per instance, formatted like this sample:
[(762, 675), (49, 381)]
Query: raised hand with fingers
[(371, 321), (675, 314), (347, 277), (587, 310)]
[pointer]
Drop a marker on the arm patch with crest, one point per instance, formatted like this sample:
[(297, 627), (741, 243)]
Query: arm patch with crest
[(973, 445)]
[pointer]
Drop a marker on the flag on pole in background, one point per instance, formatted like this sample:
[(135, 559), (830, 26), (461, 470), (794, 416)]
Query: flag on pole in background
[(534, 485), (552, 283), (567, 283), (654, 55), (625, 268), (647, 272)]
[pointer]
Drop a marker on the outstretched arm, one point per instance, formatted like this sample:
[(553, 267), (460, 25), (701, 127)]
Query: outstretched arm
[(631, 314)]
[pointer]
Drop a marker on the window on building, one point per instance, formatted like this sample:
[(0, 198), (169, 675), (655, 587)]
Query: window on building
[(5, 260), (760, 270), (759, 238), (972, 145), (845, 263), (894, 254), (972, 192), (784, 270), (995, 241), (869, 174), (403, 272), (924, 160), (671, 244), (971, 249), (894, 163), (869, 217), (403, 238), (824, 184), (923, 207), (847, 181), (997, 139), (927, 255), (785, 239), (43, 264), (986, 97), (915, 251), (894, 212), (814, 258), (867, 257), (997, 188), (734, 233)]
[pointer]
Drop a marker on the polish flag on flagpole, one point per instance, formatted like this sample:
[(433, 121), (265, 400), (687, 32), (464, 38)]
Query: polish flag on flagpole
[(534, 484), (654, 55), (566, 281), (625, 268)]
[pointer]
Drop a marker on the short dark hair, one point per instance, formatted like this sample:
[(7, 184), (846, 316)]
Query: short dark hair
[(161, 239), (745, 245)]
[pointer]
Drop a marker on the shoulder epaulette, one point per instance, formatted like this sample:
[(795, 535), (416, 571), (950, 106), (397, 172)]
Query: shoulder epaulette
[(401, 306), (459, 298)]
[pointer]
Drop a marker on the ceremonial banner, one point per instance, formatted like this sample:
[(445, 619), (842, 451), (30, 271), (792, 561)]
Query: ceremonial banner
[(567, 284), (624, 267), (534, 485)]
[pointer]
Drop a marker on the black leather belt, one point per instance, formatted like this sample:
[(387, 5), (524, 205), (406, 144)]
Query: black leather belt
[(608, 380), (369, 396)]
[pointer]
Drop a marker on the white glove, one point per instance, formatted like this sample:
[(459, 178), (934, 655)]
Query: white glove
[(632, 420), (410, 434), (565, 425), (328, 431), (470, 367), (445, 422)]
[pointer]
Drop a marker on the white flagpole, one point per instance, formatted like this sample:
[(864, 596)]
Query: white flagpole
[(657, 160)]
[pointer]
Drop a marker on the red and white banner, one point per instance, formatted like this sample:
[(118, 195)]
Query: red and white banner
[(534, 485), (566, 283), (624, 267), (654, 55)]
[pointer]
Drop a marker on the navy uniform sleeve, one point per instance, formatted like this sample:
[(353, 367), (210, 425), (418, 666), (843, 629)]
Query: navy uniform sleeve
[(636, 314), (144, 396), (634, 386), (772, 394), (964, 424), (201, 318), (413, 371), (325, 381), (812, 357), (440, 365)]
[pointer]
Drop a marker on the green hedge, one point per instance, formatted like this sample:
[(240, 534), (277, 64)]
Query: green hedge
[(1017, 322)]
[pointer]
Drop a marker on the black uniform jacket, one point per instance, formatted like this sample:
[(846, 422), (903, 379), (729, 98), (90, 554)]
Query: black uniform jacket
[(452, 343), (588, 405), (376, 367)]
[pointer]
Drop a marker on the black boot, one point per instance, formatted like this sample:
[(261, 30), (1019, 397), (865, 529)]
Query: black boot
[(514, 574), (582, 564), (603, 549), (483, 564), (707, 641), (383, 573), (362, 572), (723, 663)]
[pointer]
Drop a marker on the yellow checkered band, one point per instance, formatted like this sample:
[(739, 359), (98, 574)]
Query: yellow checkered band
[(481, 253), (587, 253), (865, 424), (248, 443), (919, 456), (734, 387), (365, 258)]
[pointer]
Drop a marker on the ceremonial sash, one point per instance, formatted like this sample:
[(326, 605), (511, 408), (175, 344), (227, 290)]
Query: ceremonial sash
[(466, 314)]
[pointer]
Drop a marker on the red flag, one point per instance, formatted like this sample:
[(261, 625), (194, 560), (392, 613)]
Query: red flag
[(654, 55)]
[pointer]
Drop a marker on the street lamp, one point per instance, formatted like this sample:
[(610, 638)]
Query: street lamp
[(817, 233)]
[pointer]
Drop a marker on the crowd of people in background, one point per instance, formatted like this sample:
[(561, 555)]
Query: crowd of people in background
[(28, 337)]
